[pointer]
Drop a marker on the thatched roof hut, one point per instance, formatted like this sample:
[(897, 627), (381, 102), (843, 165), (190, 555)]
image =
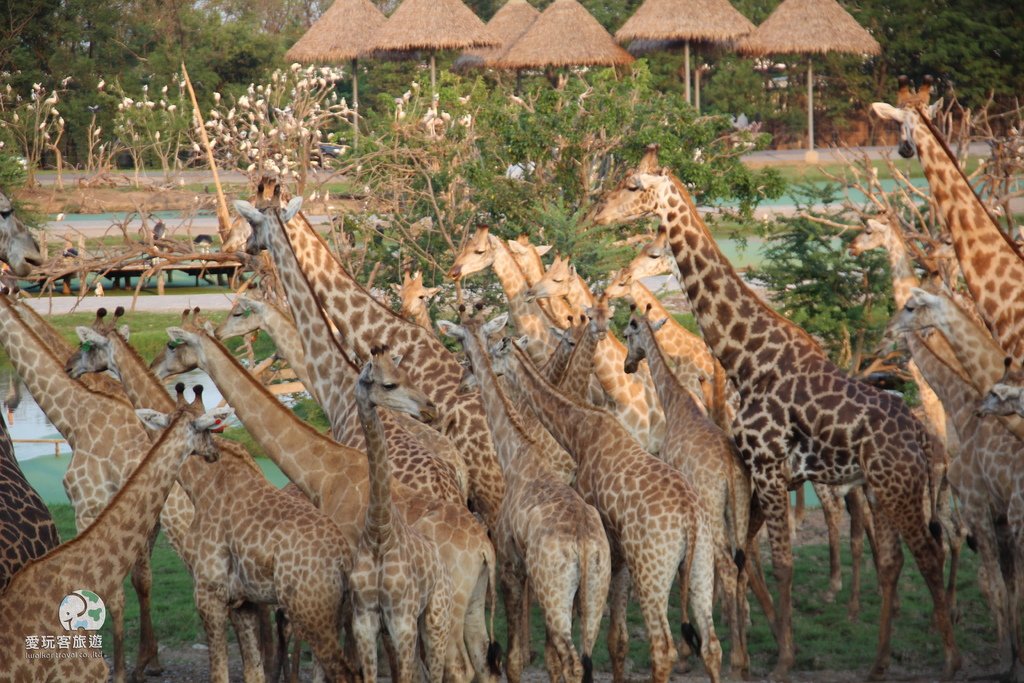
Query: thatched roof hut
[(432, 25), (565, 34), (507, 25), (341, 34), (809, 27), (714, 21)]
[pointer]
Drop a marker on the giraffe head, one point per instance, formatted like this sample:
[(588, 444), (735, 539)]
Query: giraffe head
[(619, 284), (181, 354), (912, 112), (875, 235), (199, 429), (18, 248), (259, 216), (637, 196), (244, 318), (600, 315), (1006, 397), (414, 296), (473, 324), (527, 255), (383, 384), (557, 281), (95, 352), (636, 351), (654, 259), (476, 255), (501, 353)]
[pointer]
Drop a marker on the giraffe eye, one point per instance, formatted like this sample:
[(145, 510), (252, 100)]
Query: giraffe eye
[(390, 386)]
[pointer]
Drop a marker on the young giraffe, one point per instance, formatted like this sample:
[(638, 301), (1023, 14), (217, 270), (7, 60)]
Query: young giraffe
[(527, 256), (634, 399), (708, 459), (334, 477), (800, 418), (656, 524), (106, 440), (977, 353), (18, 248), (420, 457), (415, 299), (484, 250), (988, 478), (550, 537), (991, 262), (302, 257), (1006, 397), (398, 577), (25, 522), (98, 557)]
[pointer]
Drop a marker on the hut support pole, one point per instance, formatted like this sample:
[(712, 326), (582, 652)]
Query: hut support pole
[(355, 104), (810, 105), (433, 77), (697, 74), (686, 68)]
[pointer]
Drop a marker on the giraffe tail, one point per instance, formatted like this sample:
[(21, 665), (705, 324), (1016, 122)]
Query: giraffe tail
[(690, 634), (734, 514), (936, 473), (493, 648), (718, 399), (586, 644)]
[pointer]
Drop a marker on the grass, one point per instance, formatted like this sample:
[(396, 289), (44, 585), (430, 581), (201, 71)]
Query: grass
[(826, 639), (800, 172)]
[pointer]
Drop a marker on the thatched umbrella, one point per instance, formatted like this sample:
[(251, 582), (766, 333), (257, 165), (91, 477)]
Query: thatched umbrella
[(809, 27), (507, 25), (565, 34), (432, 25), (341, 34), (661, 24)]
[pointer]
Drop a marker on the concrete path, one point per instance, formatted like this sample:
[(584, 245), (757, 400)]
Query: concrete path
[(148, 301)]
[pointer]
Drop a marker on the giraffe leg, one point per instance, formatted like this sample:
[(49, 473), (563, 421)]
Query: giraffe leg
[(365, 627), (990, 578), (512, 585), (701, 585), (754, 570), (729, 575), (555, 586), (653, 583), (435, 632), (317, 621), (402, 626), (773, 494), (833, 515), (855, 505), (471, 639), (116, 609), (148, 660), (1015, 518), (245, 620), (618, 636), (890, 563), (214, 614)]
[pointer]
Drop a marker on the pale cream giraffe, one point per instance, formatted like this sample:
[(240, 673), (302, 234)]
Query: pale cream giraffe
[(800, 417), (335, 477), (18, 248), (484, 250), (319, 286), (398, 579), (549, 536), (990, 260), (106, 441), (635, 401), (527, 255), (97, 559), (656, 524), (710, 462), (415, 299), (988, 479)]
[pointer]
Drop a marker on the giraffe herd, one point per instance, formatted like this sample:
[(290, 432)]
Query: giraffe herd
[(568, 466)]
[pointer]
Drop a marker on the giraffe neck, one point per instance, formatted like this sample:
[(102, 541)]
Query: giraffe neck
[(974, 348), (284, 437), (326, 362), (530, 319), (422, 318), (575, 381), (676, 400), (991, 263), (956, 393), (364, 322), (735, 324), (60, 397), (904, 277), (282, 330), (143, 388), (556, 364), (379, 527)]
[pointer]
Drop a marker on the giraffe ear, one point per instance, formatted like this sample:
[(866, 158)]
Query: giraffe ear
[(658, 324), (293, 208), (248, 211), (396, 288), (934, 108), (87, 334), (496, 325), (887, 111), (542, 249), (397, 359), (213, 420), (431, 291), (179, 335), (125, 332), (153, 419), (450, 329)]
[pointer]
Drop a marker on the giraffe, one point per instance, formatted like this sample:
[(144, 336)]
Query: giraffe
[(988, 478), (800, 417), (106, 440), (98, 558), (304, 260), (991, 262), (634, 400), (25, 522), (18, 248), (550, 537), (654, 520), (977, 353), (335, 478), (709, 461), (484, 250), (527, 256), (398, 577), (415, 299), (1005, 397)]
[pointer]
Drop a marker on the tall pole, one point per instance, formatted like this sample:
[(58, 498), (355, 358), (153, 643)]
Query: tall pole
[(810, 105), (686, 67), (355, 104), (433, 76), (223, 218), (697, 75)]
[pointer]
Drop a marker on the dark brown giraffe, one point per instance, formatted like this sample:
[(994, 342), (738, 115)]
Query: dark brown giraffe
[(800, 417)]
